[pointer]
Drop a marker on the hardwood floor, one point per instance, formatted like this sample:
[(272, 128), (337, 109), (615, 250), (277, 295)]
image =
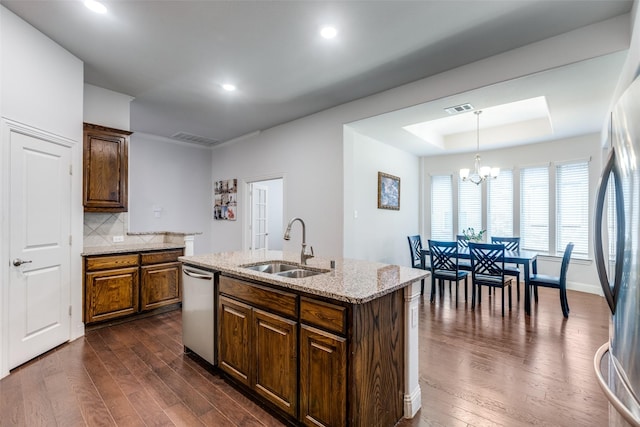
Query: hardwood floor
[(476, 369)]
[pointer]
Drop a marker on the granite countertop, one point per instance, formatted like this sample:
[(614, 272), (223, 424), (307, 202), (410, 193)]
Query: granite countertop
[(123, 248), (353, 281)]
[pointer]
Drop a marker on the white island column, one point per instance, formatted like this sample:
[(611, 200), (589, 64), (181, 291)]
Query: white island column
[(412, 393)]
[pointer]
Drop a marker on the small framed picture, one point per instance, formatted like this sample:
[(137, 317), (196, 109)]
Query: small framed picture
[(388, 191), (225, 199)]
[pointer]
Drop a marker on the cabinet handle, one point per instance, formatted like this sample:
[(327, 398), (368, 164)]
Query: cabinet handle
[(196, 275)]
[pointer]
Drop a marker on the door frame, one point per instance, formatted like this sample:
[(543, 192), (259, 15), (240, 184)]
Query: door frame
[(246, 216), (76, 228)]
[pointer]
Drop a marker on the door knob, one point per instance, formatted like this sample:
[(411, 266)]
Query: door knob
[(18, 262)]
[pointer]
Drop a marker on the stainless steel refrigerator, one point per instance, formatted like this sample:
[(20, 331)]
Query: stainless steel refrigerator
[(617, 255)]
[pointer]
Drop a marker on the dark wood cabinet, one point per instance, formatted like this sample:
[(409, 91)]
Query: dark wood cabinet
[(105, 169), (122, 285), (276, 364), (258, 348), (111, 294), (160, 285), (318, 361), (235, 354), (323, 374)]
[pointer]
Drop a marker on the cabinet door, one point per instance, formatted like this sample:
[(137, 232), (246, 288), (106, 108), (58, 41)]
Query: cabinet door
[(276, 343), (234, 339), (160, 285), (111, 293), (323, 375), (105, 169)]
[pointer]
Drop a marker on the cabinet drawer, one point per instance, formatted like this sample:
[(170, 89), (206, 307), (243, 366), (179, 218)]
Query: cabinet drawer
[(111, 261), (259, 296), (160, 257), (322, 314)]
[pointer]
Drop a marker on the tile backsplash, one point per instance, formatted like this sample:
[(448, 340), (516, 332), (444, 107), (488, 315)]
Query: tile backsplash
[(100, 228)]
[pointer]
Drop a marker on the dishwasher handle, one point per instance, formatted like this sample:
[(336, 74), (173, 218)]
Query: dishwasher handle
[(195, 275)]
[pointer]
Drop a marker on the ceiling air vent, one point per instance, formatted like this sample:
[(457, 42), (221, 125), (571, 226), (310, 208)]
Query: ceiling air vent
[(457, 109), (195, 139)]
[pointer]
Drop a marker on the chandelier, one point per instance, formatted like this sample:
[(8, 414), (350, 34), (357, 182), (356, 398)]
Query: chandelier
[(480, 173)]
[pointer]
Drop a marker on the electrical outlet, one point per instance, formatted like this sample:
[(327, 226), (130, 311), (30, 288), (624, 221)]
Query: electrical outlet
[(118, 239)]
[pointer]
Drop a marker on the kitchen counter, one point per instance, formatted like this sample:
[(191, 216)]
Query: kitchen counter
[(346, 339), (352, 281), (124, 248)]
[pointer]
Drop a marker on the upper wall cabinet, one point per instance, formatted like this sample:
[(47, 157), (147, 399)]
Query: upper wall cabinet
[(105, 169)]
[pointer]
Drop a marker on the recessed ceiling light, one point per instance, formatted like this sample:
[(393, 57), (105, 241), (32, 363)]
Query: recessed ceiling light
[(228, 87), (95, 6), (328, 32)]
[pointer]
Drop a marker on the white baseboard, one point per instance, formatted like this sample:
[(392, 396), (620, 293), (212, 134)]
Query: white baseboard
[(585, 287), (412, 402)]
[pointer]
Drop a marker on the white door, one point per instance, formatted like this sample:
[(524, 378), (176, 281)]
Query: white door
[(259, 220), (39, 247)]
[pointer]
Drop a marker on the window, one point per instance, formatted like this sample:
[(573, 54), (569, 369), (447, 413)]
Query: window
[(572, 207), (500, 205), (534, 209), (441, 207), (469, 206)]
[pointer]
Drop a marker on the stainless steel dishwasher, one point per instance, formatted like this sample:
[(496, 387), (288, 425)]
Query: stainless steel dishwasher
[(198, 312)]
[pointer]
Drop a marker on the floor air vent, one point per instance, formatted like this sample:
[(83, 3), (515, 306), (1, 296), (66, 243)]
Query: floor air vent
[(195, 139)]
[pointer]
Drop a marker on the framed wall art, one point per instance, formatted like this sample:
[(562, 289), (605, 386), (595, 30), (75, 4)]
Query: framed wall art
[(225, 199), (388, 191)]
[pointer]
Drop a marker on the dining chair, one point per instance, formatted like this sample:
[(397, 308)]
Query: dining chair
[(510, 244), (415, 246), (556, 282), (444, 266), (463, 243), (487, 269)]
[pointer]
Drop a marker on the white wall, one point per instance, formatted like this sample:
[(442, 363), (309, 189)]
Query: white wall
[(378, 234), (631, 68), (41, 86), (582, 274), (308, 152), (106, 108), (176, 178), (308, 155)]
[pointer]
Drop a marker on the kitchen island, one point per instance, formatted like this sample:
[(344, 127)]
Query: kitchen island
[(336, 348)]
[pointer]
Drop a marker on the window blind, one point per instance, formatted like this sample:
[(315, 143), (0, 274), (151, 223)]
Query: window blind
[(572, 207), (441, 207), (469, 206), (534, 209), (500, 205)]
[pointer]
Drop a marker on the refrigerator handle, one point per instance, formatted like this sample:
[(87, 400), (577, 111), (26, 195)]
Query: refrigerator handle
[(610, 293)]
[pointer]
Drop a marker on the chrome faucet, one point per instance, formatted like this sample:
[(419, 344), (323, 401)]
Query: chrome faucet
[(304, 256)]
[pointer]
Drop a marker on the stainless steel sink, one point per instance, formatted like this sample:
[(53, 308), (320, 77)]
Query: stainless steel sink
[(271, 267), (299, 273), (285, 270)]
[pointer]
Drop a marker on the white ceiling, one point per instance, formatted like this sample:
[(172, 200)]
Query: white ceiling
[(172, 56), (577, 98)]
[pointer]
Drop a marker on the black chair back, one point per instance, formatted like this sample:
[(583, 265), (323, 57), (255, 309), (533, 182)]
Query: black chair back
[(415, 246), (444, 255), (510, 243), (565, 265), (487, 260), (462, 240), (487, 269)]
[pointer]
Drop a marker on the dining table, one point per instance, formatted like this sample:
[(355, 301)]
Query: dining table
[(528, 260)]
